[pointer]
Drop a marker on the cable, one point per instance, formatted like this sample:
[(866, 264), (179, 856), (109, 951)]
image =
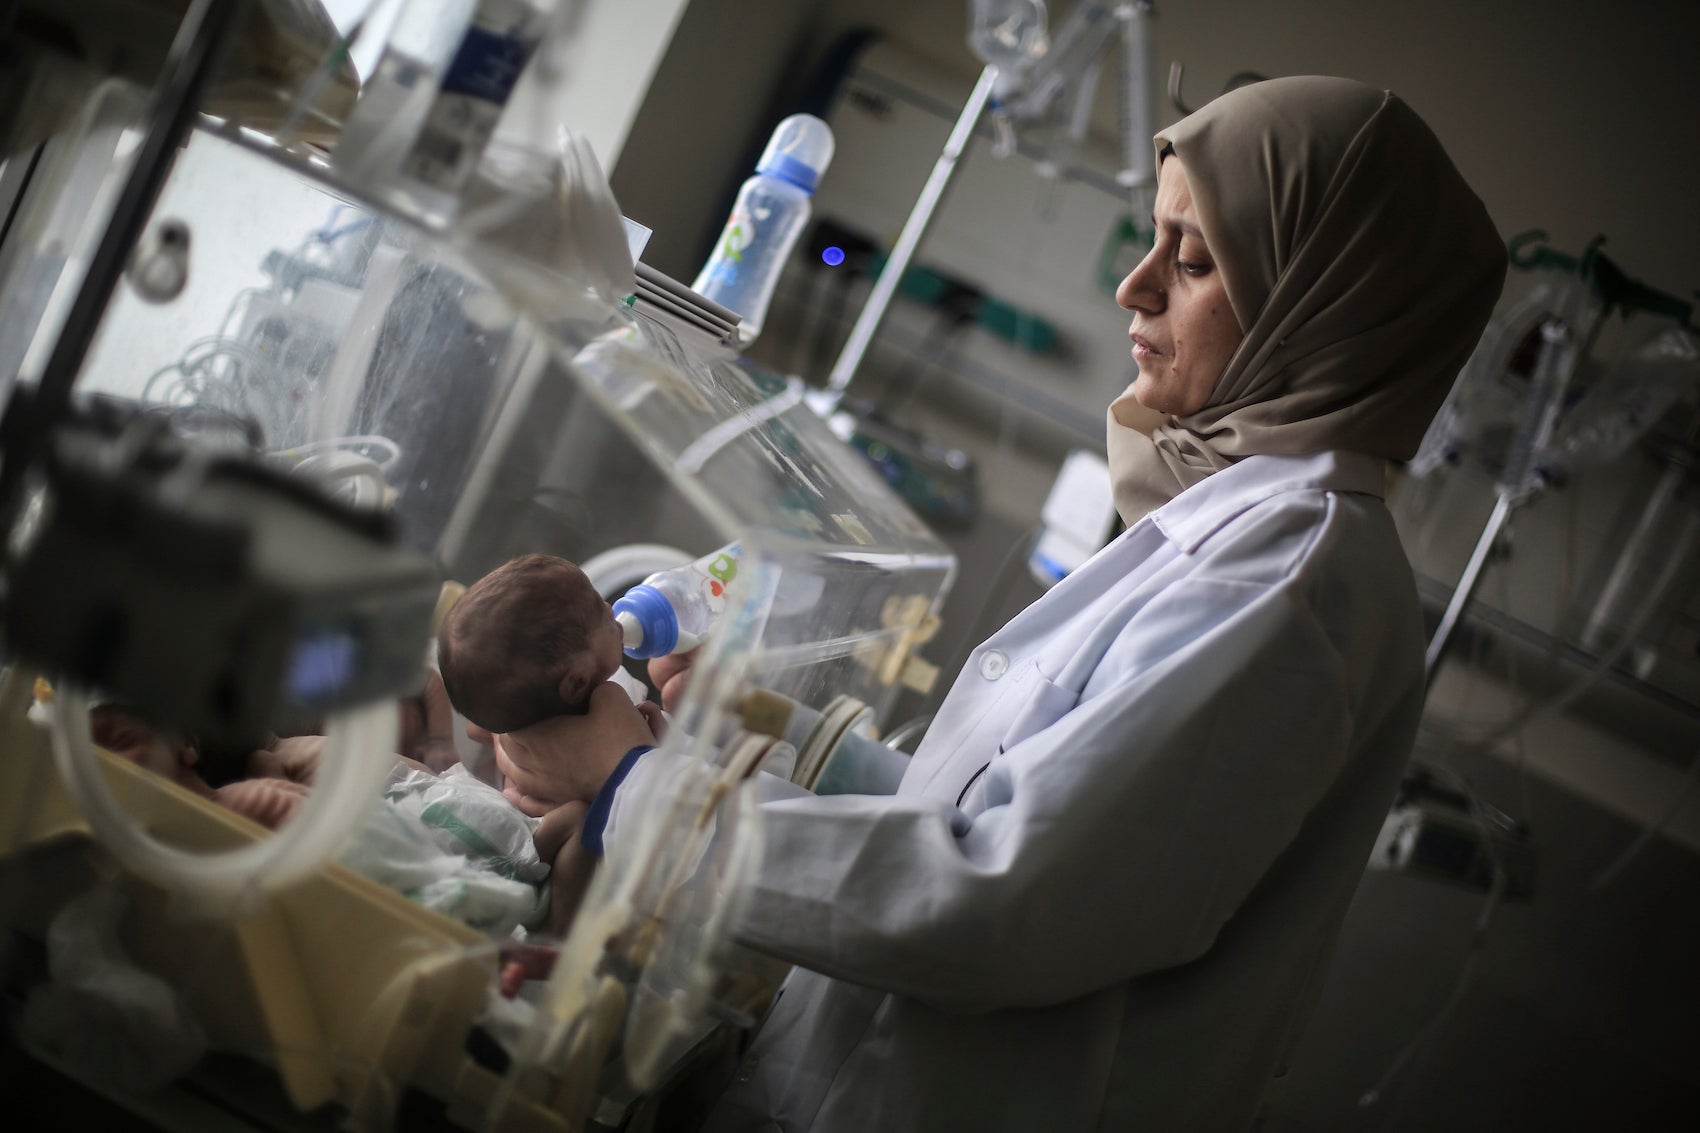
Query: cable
[(1607, 661), (1609, 874), (391, 450), (1478, 939)]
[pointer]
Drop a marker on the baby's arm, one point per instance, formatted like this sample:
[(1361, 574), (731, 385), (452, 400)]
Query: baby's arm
[(270, 802), (557, 841)]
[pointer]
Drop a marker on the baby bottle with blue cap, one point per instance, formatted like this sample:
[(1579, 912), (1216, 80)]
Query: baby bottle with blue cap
[(671, 611), (768, 216)]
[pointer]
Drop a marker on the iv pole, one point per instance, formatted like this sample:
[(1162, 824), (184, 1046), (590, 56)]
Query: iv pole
[(1521, 481), (914, 229), (1133, 17)]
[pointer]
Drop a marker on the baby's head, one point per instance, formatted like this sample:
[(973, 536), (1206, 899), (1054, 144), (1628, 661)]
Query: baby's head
[(132, 736), (529, 640)]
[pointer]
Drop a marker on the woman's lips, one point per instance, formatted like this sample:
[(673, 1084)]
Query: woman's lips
[(1142, 347)]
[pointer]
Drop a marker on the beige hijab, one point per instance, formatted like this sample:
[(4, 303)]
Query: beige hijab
[(1360, 264)]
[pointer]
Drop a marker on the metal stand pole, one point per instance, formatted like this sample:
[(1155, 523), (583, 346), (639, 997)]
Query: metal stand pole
[(1519, 483), (193, 56), (873, 312), (1467, 582)]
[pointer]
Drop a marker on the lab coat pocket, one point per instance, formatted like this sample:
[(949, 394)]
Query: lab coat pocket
[(1046, 703)]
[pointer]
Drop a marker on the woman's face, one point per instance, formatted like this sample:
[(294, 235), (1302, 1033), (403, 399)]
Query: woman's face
[(1184, 330)]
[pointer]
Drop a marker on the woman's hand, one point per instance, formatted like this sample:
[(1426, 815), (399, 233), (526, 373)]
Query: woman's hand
[(558, 828), (567, 758), (671, 674), (654, 717)]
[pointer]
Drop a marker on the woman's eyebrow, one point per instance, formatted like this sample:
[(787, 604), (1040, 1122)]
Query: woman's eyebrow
[(1186, 227)]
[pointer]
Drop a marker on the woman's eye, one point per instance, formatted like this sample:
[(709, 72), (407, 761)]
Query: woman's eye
[(1193, 268)]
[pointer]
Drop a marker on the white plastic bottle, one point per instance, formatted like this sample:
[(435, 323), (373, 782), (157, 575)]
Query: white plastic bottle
[(673, 610), (423, 119), (766, 220)]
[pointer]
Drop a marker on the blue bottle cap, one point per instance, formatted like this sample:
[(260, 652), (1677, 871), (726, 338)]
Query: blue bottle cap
[(787, 168), (654, 618), (799, 151)]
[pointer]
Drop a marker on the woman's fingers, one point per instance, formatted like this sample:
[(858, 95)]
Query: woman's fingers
[(569, 757), (654, 717), (529, 805), (516, 774), (670, 675)]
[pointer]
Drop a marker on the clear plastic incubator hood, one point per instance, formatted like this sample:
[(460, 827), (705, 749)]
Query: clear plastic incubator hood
[(297, 413)]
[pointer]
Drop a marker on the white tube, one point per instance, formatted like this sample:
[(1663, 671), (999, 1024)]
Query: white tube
[(1079, 42), (1138, 121), (356, 762)]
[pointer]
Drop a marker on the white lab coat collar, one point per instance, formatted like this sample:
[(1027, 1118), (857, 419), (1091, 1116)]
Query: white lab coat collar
[(1206, 507)]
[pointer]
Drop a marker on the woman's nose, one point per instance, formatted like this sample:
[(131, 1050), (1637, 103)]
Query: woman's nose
[(1140, 290)]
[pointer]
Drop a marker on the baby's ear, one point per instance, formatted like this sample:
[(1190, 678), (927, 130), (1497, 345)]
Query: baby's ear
[(574, 687)]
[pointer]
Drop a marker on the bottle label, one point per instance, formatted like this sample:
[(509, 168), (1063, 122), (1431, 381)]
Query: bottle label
[(740, 230), (718, 571), (467, 106)]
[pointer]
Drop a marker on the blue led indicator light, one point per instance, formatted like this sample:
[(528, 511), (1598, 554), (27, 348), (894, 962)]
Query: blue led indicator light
[(832, 256)]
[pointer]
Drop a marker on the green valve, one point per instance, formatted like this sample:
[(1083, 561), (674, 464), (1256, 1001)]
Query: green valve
[(918, 283), (1025, 329)]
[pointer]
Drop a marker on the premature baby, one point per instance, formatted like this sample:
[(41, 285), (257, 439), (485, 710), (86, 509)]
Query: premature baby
[(532, 640), (528, 641), (267, 786), (448, 841)]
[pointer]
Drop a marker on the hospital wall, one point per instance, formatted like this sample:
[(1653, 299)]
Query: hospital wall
[(1564, 115)]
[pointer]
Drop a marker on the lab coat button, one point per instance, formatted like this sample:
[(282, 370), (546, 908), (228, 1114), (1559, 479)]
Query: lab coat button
[(994, 663)]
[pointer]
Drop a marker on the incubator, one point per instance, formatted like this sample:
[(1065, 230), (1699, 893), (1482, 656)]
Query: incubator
[(477, 404)]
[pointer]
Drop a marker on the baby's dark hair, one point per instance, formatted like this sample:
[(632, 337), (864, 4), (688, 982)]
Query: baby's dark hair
[(511, 639)]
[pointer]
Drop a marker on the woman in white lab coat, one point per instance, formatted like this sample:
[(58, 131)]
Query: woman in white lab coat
[(1104, 895)]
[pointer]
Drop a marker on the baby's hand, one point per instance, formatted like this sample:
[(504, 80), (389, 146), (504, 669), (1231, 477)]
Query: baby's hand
[(270, 802), (521, 963), (295, 758)]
